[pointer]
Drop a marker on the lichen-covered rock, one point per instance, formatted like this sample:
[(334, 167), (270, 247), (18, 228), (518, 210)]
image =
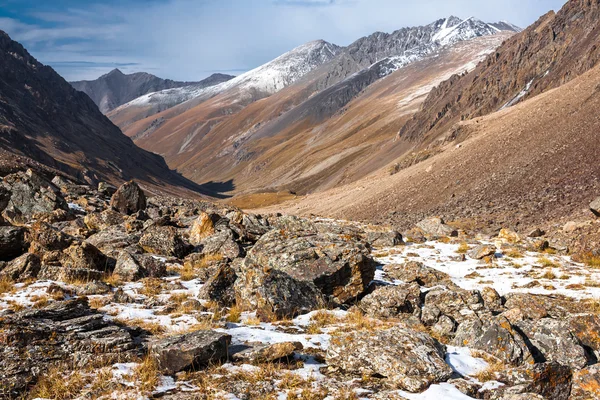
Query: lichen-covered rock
[(22, 268), (131, 267), (586, 328), (12, 242), (103, 220), (203, 227), (164, 240), (223, 243), (219, 287), (549, 380), (84, 256), (387, 238), (263, 353), (410, 360), (458, 304), (414, 271), (128, 199), (435, 227), (390, 301), (30, 194), (482, 251), (551, 340), (44, 238), (195, 349), (534, 306), (586, 384), (492, 300), (320, 266), (496, 337)]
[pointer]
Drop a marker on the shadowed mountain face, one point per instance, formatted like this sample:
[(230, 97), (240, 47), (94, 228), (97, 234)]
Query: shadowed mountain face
[(115, 88), (44, 118)]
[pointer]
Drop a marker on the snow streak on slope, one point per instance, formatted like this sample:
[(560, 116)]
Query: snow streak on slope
[(268, 78)]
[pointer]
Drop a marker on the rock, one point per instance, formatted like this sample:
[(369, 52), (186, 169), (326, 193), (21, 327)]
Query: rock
[(384, 238), (509, 236), (128, 199), (84, 256), (410, 360), (219, 287), (550, 340), (22, 268), (164, 240), (537, 245), (595, 207), (195, 349), (492, 300), (586, 384), (468, 388), (106, 188), (30, 194), (103, 220), (585, 328), (436, 227), (536, 307), (390, 301), (496, 337), (482, 251), (44, 237), (93, 288), (202, 266), (35, 340), (263, 353), (221, 243), (414, 271), (12, 242), (203, 227), (132, 267), (444, 327), (549, 380), (457, 304), (536, 233), (320, 266)]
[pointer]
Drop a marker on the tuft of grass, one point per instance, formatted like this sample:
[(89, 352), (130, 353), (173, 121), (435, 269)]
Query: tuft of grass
[(147, 373), (234, 315), (252, 321), (591, 260), (6, 285), (548, 274), (55, 384), (463, 248), (152, 287), (548, 263), (153, 327), (513, 253), (191, 267)]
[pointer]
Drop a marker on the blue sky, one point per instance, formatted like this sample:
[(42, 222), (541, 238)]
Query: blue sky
[(190, 39)]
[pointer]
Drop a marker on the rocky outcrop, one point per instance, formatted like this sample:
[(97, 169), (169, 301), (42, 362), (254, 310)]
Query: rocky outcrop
[(410, 360), (164, 240), (180, 352), (128, 199), (12, 242)]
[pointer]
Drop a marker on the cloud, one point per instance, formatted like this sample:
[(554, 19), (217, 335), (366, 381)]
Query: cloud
[(189, 39)]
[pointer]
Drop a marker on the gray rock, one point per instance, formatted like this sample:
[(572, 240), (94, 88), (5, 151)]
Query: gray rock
[(586, 384), (164, 240), (219, 287), (196, 349), (12, 242), (436, 227), (458, 304), (22, 268), (414, 271), (131, 267), (492, 300), (549, 380), (385, 238), (482, 251), (390, 301), (128, 199), (595, 207), (263, 353), (222, 242), (410, 360)]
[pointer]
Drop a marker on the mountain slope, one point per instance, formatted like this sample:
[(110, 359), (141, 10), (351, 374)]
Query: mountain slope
[(554, 50), (115, 88), (44, 118)]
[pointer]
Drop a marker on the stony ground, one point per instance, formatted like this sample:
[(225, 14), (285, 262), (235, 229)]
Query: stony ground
[(128, 297)]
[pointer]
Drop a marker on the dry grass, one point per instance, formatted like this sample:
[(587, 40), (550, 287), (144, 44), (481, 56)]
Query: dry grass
[(591, 260), (494, 367), (55, 384), (548, 274), (234, 315), (463, 248), (191, 267), (40, 301), (147, 373), (153, 327), (6, 285), (252, 321), (98, 302), (113, 280), (152, 287), (548, 263), (513, 253)]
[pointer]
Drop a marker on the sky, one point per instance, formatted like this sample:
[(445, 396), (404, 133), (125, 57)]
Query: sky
[(191, 39)]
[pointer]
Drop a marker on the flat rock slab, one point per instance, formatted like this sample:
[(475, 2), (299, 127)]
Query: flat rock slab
[(263, 353), (177, 353)]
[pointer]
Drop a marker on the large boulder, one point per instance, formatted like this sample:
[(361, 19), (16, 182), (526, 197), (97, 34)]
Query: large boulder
[(585, 327), (391, 301), (551, 340), (457, 304), (196, 349), (482, 251), (221, 243), (12, 242), (22, 268), (549, 380), (164, 240), (436, 227), (410, 360), (219, 287), (84, 255), (30, 195), (496, 337), (321, 266), (131, 267), (128, 199), (203, 227), (35, 340), (44, 237)]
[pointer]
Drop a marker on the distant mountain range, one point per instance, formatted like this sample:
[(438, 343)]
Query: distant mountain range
[(116, 88)]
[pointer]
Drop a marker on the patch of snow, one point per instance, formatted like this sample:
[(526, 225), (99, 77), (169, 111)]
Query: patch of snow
[(440, 391), (462, 362), (76, 207)]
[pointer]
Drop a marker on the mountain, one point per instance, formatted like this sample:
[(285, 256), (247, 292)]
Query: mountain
[(512, 143), (116, 88), (43, 118), (222, 133)]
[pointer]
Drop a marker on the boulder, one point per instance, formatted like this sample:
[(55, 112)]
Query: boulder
[(492, 300), (384, 238), (84, 256), (496, 337), (128, 199), (595, 207), (509, 236), (390, 301), (12, 242), (414, 271), (221, 243), (22, 268), (457, 304), (436, 227), (103, 220), (131, 267), (219, 287), (164, 240), (482, 251), (195, 349), (586, 384), (203, 227), (106, 188), (534, 306), (549, 380), (410, 360), (321, 266), (44, 237), (30, 194), (263, 353), (585, 328)]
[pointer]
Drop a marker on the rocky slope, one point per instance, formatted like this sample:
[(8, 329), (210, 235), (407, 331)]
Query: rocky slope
[(116, 88), (223, 137), (134, 297), (44, 119), (554, 50)]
